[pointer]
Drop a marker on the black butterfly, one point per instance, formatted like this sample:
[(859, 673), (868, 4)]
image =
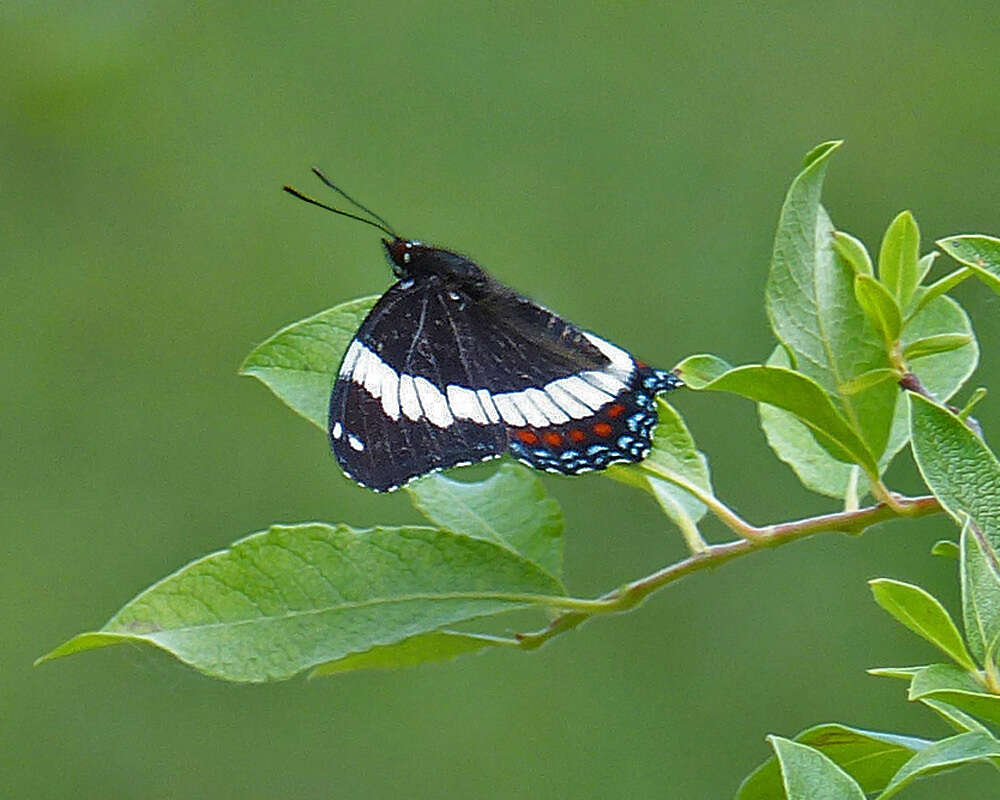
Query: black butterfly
[(451, 367)]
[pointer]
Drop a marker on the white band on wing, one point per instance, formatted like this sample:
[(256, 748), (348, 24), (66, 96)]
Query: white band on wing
[(413, 396)]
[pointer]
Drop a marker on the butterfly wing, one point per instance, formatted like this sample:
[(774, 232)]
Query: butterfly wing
[(436, 377), (390, 420)]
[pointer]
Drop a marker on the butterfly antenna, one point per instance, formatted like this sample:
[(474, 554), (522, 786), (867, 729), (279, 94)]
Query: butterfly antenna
[(350, 199), (298, 194)]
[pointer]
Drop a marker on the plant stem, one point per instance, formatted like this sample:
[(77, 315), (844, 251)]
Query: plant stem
[(775, 535), (725, 514), (912, 383)]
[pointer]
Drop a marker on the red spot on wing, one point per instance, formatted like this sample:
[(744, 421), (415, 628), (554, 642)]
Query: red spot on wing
[(576, 435), (602, 429), (615, 410), (552, 438), (528, 437)]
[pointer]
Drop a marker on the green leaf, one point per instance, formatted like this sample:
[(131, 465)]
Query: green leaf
[(972, 402), (510, 508), (814, 312), (979, 253), (425, 648), (958, 720), (674, 452), (957, 466), (788, 390), (820, 152), (921, 612), (700, 370), (853, 252), (794, 444), (807, 774), (924, 297), (294, 597), (868, 379), (870, 757), (980, 572), (930, 345), (925, 264), (898, 258), (944, 755), (942, 374), (300, 362), (946, 548), (957, 687), (906, 673), (880, 306)]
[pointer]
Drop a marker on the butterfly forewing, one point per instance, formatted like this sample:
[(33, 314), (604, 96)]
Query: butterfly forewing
[(390, 420), (384, 453)]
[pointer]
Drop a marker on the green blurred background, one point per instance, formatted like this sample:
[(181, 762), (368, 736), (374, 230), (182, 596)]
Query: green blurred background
[(622, 163)]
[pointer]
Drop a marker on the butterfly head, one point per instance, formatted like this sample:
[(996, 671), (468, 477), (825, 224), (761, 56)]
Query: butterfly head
[(412, 259)]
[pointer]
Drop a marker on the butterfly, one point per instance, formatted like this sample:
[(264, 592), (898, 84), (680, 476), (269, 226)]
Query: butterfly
[(451, 367)]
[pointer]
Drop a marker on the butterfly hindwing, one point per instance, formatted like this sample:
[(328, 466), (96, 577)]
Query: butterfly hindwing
[(620, 430)]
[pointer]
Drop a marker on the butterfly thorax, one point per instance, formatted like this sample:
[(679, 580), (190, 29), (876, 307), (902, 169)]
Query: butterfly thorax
[(412, 260), (462, 281)]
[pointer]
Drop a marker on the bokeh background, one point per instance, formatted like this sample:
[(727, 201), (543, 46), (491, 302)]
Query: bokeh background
[(623, 163)]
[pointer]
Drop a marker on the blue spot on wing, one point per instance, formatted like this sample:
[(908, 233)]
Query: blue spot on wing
[(628, 435)]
